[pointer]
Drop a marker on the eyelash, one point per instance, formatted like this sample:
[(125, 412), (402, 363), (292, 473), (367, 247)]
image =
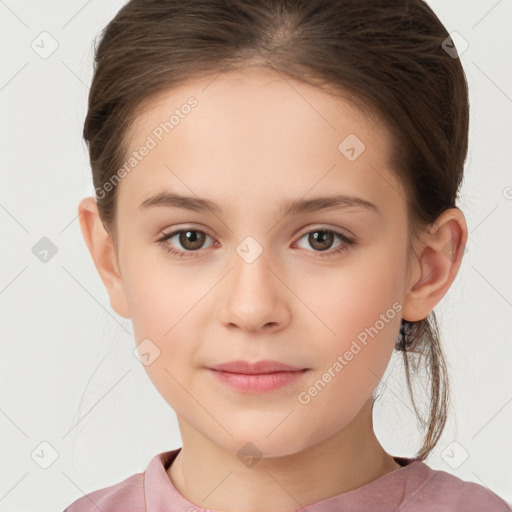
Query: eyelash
[(347, 242)]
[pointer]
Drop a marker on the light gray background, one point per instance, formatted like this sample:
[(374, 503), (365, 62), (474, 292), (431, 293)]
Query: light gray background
[(68, 375)]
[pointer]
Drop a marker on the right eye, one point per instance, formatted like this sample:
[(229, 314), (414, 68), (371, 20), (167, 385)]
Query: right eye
[(190, 239)]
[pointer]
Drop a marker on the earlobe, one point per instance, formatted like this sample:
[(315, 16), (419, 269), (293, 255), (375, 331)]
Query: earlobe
[(101, 248), (437, 264)]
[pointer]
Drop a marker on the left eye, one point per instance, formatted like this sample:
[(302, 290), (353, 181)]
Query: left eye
[(322, 240)]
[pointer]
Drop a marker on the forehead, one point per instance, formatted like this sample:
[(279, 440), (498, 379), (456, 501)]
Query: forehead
[(254, 131)]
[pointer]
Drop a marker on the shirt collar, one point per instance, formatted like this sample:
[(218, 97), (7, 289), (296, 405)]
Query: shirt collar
[(388, 490)]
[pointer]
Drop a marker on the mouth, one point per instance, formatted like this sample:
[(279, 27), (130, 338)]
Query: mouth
[(258, 382)]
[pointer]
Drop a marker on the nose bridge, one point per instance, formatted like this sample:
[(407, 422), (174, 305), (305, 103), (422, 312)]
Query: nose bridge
[(253, 298), (250, 275)]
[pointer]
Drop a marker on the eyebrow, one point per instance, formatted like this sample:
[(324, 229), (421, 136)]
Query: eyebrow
[(293, 207)]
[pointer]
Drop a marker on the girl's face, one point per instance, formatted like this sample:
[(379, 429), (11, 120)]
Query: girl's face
[(248, 282)]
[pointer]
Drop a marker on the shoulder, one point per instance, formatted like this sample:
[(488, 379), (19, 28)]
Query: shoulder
[(448, 493), (127, 495), (151, 488)]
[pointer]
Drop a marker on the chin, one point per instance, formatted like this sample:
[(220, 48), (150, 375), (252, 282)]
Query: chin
[(251, 446)]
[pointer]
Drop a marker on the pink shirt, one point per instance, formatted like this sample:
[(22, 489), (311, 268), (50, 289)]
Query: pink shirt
[(414, 487)]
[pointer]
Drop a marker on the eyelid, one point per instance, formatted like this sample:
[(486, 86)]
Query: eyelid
[(324, 227), (179, 229)]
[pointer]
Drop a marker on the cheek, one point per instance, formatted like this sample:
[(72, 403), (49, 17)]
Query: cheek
[(353, 359), (163, 307), (359, 312), (355, 300), (167, 304), (161, 294)]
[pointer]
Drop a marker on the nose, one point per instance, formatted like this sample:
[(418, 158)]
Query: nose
[(254, 297)]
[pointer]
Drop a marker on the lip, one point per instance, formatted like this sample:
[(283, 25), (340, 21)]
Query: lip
[(259, 377), (256, 368)]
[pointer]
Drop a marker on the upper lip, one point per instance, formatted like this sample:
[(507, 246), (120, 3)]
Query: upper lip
[(258, 367)]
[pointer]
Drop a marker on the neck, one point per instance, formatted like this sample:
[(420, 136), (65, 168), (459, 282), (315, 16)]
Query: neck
[(211, 477)]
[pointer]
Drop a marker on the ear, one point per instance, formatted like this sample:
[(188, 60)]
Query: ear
[(101, 247), (436, 264)]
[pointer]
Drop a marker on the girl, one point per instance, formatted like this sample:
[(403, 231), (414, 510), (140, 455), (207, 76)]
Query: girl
[(275, 211)]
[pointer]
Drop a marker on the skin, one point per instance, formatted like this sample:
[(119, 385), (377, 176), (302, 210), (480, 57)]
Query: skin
[(255, 140)]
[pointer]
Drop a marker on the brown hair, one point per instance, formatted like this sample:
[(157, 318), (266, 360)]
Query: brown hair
[(387, 58)]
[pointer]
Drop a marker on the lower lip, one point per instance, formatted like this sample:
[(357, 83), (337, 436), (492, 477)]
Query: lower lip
[(258, 383)]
